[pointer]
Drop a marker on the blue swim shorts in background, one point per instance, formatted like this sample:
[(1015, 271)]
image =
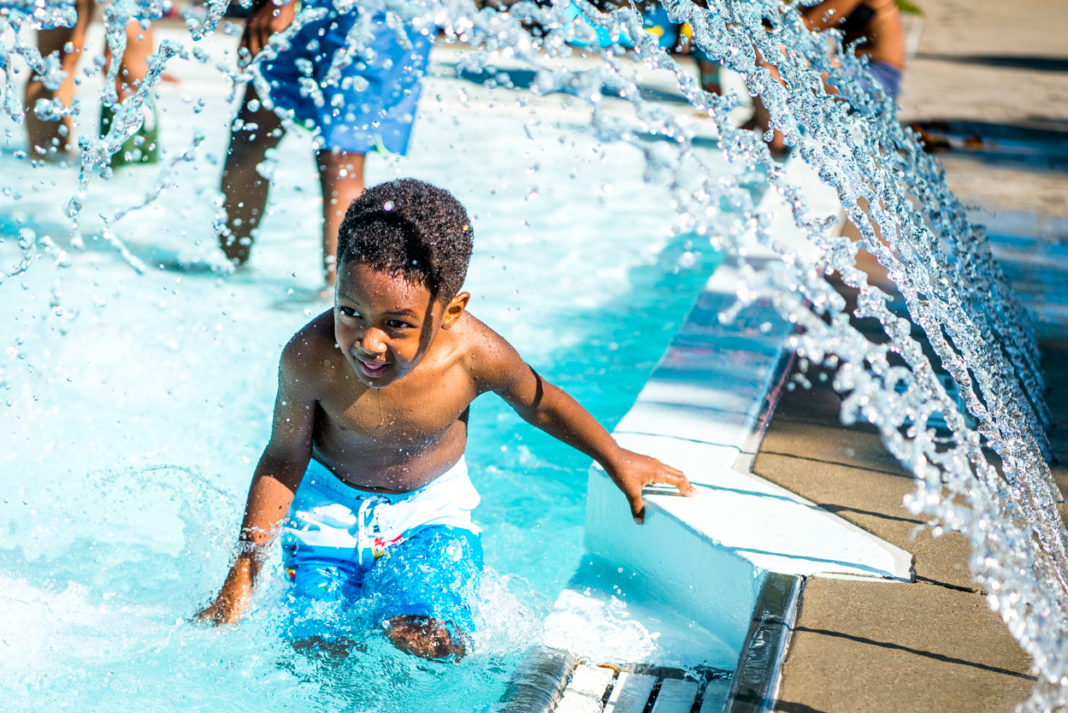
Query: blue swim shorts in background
[(368, 102), (887, 75)]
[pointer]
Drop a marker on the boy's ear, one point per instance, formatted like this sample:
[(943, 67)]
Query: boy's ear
[(454, 309)]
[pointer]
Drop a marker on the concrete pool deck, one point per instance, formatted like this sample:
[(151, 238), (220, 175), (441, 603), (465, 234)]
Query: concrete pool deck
[(933, 645)]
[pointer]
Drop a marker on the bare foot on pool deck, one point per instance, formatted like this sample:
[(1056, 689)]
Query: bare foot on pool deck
[(423, 637)]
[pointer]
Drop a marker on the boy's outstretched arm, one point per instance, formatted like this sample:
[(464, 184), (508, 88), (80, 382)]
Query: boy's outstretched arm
[(278, 473), (552, 410)]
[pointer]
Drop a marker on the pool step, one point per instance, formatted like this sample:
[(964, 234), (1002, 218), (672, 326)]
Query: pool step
[(556, 681)]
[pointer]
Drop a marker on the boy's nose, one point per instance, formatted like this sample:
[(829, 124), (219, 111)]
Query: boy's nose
[(373, 340)]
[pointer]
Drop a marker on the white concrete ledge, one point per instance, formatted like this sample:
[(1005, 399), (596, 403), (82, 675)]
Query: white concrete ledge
[(704, 557), (740, 513)]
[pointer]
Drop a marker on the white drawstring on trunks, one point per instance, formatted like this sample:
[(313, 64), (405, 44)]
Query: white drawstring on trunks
[(366, 520), (330, 519)]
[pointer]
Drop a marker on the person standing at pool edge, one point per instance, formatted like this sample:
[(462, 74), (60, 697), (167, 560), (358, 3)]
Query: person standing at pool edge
[(355, 103), (869, 27), (370, 428)]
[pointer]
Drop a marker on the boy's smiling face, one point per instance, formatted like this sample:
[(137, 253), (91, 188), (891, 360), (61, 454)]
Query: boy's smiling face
[(384, 323)]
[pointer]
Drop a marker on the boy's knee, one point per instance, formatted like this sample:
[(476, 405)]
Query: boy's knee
[(424, 637)]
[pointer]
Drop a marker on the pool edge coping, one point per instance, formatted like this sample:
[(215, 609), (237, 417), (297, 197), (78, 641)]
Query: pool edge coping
[(756, 678)]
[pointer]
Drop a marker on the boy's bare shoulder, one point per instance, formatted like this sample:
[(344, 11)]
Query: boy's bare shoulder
[(487, 355), (312, 352)]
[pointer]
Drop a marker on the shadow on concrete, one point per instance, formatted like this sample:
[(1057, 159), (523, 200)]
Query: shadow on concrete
[(1040, 144), (836, 509), (1008, 61), (947, 585), (788, 707), (917, 652)]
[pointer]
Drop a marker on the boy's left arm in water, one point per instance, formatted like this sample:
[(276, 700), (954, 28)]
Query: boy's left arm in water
[(502, 370)]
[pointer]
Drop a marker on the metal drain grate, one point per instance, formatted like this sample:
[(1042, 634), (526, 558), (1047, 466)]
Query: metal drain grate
[(554, 681)]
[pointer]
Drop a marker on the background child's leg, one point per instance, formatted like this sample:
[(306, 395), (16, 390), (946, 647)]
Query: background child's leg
[(134, 64), (49, 136), (341, 178), (244, 189), (761, 119), (143, 145), (708, 71)]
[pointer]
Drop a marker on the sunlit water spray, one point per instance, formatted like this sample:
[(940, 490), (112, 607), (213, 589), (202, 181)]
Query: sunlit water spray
[(989, 482)]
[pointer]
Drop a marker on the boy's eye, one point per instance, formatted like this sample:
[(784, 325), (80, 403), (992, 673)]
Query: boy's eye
[(348, 311), (397, 324)]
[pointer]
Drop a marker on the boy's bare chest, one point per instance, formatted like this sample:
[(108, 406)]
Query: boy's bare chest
[(407, 415)]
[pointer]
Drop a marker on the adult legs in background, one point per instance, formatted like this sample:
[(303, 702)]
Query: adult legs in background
[(134, 64), (52, 137), (761, 121), (47, 138), (341, 179), (244, 189)]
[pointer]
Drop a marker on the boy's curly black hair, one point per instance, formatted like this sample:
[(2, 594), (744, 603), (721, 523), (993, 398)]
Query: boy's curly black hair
[(410, 228)]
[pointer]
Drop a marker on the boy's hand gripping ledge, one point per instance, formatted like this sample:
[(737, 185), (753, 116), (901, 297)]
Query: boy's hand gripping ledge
[(632, 471)]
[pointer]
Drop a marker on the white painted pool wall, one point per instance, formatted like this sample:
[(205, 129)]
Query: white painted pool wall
[(695, 413), (701, 411)]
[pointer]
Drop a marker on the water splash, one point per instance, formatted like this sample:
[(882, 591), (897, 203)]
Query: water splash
[(989, 482)]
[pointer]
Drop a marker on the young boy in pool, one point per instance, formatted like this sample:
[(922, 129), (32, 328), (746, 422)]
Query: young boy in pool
[(365, 460)]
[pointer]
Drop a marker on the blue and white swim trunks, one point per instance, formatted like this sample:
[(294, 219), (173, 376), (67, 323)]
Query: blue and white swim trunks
[(358, 102), (415, 553)]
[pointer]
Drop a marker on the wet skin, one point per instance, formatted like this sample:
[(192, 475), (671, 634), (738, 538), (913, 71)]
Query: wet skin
[(378, 389), (397, 416)]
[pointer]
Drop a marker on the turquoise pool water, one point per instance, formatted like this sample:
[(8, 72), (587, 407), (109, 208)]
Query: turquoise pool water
[(135, 405)]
